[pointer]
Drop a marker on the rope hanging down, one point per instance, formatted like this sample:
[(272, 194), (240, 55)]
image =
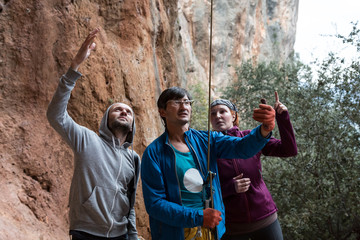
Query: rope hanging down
[(209, 102), (210, 174)]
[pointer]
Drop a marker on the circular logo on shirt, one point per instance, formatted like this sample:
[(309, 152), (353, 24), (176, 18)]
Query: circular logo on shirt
[(193, 181)]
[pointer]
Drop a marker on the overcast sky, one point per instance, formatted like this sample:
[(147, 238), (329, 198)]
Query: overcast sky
[(324, 17)]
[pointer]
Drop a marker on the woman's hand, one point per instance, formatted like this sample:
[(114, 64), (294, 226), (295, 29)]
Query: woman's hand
[(278, 106), (241, 184)]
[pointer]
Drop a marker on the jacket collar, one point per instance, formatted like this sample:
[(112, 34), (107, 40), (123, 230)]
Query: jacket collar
[(231, 131)]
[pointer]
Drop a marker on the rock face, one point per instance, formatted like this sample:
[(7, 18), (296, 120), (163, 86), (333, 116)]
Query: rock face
[(241, 30), (144, 47)]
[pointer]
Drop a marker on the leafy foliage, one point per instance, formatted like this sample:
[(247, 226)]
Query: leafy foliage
[(318, 191), (199, 108)]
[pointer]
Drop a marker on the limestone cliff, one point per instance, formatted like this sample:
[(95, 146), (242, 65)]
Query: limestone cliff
[(241, 30), (144, 47)]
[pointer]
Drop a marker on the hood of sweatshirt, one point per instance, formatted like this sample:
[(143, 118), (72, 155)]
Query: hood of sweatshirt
[(106, 133)]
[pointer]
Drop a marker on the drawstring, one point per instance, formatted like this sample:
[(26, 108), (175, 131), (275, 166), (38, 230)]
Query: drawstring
[(132, 152), (112, 137)]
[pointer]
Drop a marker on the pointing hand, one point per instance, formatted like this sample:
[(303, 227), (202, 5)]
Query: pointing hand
[(278, 106)]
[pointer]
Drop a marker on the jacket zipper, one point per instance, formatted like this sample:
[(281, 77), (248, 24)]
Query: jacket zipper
[(197, 158), (237, 170), (116, 192)]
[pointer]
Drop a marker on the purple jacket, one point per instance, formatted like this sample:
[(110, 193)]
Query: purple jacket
[(256, 203)]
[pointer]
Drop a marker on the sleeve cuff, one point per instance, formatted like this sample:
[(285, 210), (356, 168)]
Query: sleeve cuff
[(259, 135), (72, 75), (199, 218), (269, 135)]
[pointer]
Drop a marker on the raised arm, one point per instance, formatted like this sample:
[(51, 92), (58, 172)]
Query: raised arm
[(278, 106), (57, 114)]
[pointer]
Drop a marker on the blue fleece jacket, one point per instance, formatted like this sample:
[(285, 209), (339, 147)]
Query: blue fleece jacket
[(160, 185)]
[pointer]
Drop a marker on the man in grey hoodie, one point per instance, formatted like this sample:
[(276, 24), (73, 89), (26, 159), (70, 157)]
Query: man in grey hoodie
[(106, 171)]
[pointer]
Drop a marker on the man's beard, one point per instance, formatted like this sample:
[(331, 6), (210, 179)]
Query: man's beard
[(123, 127)]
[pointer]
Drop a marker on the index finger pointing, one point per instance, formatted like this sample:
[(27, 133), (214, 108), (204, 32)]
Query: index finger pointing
[(276, 96)]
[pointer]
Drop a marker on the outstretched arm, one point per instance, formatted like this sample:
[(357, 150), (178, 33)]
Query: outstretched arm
[(57, 114)]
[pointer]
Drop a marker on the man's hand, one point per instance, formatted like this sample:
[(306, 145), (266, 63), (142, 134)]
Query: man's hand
[(278, 106), (266, 115), (241, 184), (212, 218), (85, 49)]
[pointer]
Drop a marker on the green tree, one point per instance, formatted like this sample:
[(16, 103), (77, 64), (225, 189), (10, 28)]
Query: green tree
[(318, 191), (200, 107)]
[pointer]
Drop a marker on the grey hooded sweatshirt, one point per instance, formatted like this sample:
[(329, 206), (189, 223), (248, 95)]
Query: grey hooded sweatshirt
[(103, 187)]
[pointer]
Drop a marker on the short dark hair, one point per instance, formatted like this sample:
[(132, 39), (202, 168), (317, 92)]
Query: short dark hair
[(173, 93)]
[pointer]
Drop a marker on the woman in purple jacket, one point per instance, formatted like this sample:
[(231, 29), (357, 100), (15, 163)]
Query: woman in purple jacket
[(250, 211)]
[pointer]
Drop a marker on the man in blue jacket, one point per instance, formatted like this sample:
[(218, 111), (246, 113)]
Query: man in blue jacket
[(174, 169)]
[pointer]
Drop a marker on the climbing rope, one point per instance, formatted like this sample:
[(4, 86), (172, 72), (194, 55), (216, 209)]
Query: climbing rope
[(209, 100), (210, 174)]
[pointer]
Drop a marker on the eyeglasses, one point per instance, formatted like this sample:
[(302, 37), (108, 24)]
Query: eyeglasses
[(177, 103)]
